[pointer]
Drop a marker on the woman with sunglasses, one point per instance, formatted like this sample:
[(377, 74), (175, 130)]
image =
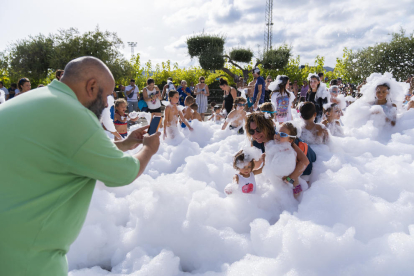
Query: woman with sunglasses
[(229, 95), (261, 130), (236, 116), (202, 92)]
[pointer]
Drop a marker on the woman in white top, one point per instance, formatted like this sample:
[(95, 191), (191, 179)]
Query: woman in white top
[(152, 96), (202, 92)]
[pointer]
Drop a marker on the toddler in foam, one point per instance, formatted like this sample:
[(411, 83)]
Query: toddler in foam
[(244, 181)]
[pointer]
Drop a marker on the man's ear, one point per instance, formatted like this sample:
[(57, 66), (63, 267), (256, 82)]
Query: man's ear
[(92, 88)]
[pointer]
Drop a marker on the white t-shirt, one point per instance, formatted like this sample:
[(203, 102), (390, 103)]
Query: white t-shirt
[(247, 185), (17, 91), (282, 105), (2, 96), (134, 98), (6, 91)]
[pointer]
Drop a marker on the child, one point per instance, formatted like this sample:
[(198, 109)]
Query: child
[(312, 133), (390, 109), (171, 114), (288, 133), (196, 115), (333, 113), (187, 111), (120, 118), (267, 108), (245, 176), (217, 115), (281, 98), (237, 116)]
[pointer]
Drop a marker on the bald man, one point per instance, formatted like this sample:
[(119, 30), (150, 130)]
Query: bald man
[(56, 151)]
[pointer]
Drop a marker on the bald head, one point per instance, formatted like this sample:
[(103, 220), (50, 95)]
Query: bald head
[(90, 79), (83, 68)]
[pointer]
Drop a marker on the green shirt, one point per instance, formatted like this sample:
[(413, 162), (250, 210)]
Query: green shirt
[(53, 150)]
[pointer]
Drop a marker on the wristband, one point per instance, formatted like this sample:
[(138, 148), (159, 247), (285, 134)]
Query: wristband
[(290, 180), (297, 189)]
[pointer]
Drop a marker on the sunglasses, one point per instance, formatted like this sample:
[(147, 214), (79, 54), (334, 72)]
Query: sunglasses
[(239, 104), (265, 111), (252, 131), (284, 135)]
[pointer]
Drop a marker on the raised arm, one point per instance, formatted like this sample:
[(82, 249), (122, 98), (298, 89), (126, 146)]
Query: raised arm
[(145, 94)]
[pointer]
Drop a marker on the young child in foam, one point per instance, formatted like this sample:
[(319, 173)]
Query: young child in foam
[(289, 132), (237, 116), (281, 98), (312, 133), (287, 136), (332, 114), (377, 108), (217, 116), (196, 115), (171, 114), (269, 111), (121, 118), (336, 97), (244, 179), (188, 111), (317, 94), (389, 109)]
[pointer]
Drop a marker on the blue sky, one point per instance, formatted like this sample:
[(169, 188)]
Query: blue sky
[(160, 27)]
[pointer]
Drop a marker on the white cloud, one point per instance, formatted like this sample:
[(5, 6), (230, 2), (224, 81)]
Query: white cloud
[(161, 27)]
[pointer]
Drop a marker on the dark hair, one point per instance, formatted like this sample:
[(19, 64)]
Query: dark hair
[(223, 82), (169, 79), (307, 110), (201, 78), (13, 85), (132, 80), (150, 80), (189, 99), (320, 75), (384, 84), (21, 82), (314, 77), (171, 94), (213, 104), (266, 125), (216, 108), (239, 157), (194, 106), (59, 73), (282, 86), (334, 82), (1, 83)]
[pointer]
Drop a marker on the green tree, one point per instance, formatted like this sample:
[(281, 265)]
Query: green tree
[(210, 51), (396, 56)]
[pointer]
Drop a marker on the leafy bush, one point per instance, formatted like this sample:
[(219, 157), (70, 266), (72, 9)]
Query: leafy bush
[(276, 58), (241, 55), (197, 44)]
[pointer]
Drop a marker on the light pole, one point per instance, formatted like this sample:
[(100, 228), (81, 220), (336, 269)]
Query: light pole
[(132, 45)]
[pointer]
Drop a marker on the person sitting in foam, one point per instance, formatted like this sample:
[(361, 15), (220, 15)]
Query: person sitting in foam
[(245, 178)]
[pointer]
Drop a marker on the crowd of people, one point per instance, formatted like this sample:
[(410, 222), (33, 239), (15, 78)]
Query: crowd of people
[(60, 163)]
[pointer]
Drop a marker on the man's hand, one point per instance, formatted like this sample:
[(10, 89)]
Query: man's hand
[(152, 143), (135, 138)]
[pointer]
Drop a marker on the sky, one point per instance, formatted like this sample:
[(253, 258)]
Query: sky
[(161, 27)]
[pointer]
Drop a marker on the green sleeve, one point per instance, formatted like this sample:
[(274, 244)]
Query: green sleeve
[(100, 159)]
